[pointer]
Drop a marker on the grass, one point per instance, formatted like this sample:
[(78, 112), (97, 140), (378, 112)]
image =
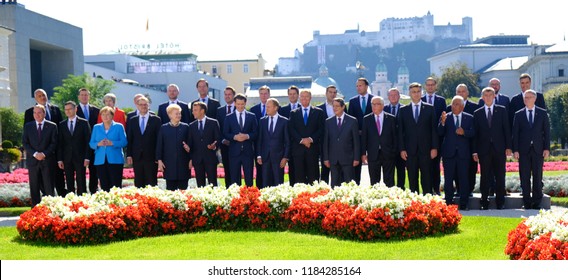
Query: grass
[(13, 211), (479, 238)]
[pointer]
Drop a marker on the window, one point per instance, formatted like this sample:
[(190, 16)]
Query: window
[(229, 69), (214, 69), (245, 68), (560, 72)]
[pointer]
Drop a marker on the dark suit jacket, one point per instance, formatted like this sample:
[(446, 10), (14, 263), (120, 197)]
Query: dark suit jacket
[(524, 134), (257, 111), (212, 107), (74, 148), (55, 114), (418, 137), (518, 103), (324, 109), (397, 111), (439, 105), (469, 107), (199, 153), (372, 143), (222, 115), (498, 136), (232, 128), (93, 114), (274, 145), (142, 147), (186, 115), (355, 110), (503, 101), (456, 145), (285, 110), (298, 130), (47, 144), (134, 114), (170, 150), (341, 145)]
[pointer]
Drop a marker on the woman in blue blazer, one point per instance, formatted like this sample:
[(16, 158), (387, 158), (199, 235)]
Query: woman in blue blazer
[(107, 139)]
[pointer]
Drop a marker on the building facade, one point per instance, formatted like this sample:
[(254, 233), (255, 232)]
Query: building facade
[(237, 73)]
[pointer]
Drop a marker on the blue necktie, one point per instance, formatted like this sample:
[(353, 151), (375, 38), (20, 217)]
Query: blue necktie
[(142, 126), (530, 118), (271, 125), (200, 127), (306, 116), (364, 105), (263, 111), (416, 113), (241, 120), (86, 111)]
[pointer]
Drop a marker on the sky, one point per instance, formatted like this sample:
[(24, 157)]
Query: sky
[(229, 29)]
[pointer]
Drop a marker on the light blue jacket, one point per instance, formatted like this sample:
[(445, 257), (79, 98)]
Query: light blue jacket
[(114, 153)]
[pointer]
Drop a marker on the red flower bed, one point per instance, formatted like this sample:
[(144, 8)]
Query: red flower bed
[(152, 216)]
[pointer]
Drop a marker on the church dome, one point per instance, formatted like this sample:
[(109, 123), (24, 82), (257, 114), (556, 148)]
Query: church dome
[(381, 67)]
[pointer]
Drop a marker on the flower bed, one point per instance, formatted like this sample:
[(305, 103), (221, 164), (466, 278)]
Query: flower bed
[(350, 211), (540, 237)]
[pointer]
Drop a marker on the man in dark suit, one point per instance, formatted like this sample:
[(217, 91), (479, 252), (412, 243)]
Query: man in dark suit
[(259, 110), (360, 106), (327, 108), (142, 134), (53, 114), (204, 134), (212, 104), (469, 107), (306, 127), (40, 143), (379, 142), (439, 104), (73, 152), (241, 129), (273, 144), (503, 100), (456, 130), (531, 144), (293, 96), (341, 145), (91, 114), (173, 93), (222, 113), (394, 108), (492, 144), (518, 102), (418, 139)]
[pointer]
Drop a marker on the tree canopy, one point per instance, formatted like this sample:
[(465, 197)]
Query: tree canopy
[(455, 74), (557, 103), (69, 90)]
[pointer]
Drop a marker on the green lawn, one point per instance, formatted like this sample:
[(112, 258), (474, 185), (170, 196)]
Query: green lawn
[(479, 238)]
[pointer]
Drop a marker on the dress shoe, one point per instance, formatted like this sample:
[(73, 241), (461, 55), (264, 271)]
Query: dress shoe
[(527, 207), (536, 207), (484, 207), (500, 207), (464, 208)]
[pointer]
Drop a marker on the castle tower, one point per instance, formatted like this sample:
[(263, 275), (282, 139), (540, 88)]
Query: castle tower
[(403, 76)]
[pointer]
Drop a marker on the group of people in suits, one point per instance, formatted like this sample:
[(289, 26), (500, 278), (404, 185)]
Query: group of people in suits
[(328, 142)]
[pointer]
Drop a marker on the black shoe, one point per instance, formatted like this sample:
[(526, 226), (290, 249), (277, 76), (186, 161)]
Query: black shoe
[(484, 207), (536, 207), (500, 207), (464, 208), (527, 207)]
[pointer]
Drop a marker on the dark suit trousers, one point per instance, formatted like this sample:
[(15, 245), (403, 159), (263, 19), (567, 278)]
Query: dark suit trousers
[(172, 185), (471, 173), (531, 163), (291, 170), (272, 174), (59, 180), (246, 162), (93, 178), (110, 175), (306, 166), (40, 178), (258, 180), (205, 170), (226, 163), (400, 165), (145, 173), (493, 170), (324, 176), (75, 171), (341, 173), (456, 169), (419, 162), (387, 167)]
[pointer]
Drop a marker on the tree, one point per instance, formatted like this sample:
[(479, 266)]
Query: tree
[(455, 74), (70, 88), (557, 102), (12, 125)]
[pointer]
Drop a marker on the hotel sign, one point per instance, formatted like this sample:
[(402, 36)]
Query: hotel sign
[(150, 48)]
